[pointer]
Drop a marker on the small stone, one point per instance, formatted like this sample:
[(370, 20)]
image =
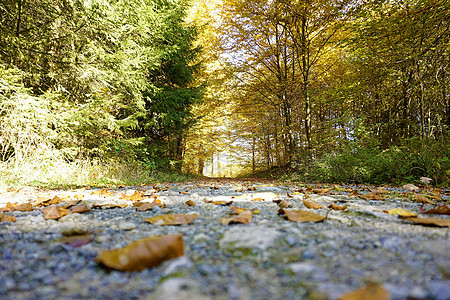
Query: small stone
[(127, 226), (249, 238), (200, 238), (178, 288)]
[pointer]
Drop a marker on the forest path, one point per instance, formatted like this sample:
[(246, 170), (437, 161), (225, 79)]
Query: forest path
[(268, 258)]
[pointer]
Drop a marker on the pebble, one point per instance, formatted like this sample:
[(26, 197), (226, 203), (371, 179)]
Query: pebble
[(270, 258)]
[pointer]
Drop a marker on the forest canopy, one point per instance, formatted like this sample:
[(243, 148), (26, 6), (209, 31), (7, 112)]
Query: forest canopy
[(344, 90)]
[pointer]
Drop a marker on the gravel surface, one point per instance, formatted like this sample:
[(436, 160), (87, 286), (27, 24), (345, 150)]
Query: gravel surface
[(270, 258)]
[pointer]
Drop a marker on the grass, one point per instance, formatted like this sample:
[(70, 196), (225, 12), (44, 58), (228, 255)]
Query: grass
[(52, 172)]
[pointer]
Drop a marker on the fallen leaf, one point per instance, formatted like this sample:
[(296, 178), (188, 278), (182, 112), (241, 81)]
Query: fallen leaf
[(54, 212), (103, 193), (143, 254), (321, 191), (372, 196), (221, 203), (401, 213), (283, 203), (80, 209), (258, 199), (243, 217), (184, 193), (76, 241), (422, 199), (23, 207), (42, 200), (144, 206), (430, 221), (238, 210), (410, 187), (109, 206), (251, 188), (337, 207), (172, 219), (301, 216), (135, 197), (289, 195), (190, 203), (440, 209), (7, 218), (425, 180), (72, 203), (240, 189), (312, 205), (78, 197), (372, 291)]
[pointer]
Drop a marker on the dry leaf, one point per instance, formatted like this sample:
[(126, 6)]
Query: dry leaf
[(240, 189), (337, 207), (321, 191), (103, 193), (76, 241), (401, 213), (289, 195), (78, 197), (372, 196), (372, 291), (221, 203), (301, 216), (244, 217), (135, 197), (7, 218), (109, 206), (54, 212), (422, 199), (184, 193), (425, 180), (430, 221), (144, 206), (190, 203), (258, 199), (72, 203), (440, 209), (23, 207), (251, 188), (410, 187), (55, 200), (80, 209), (42, 200), (172, 219), (142, 254), (283, 203), (312, 205), (238, 210)]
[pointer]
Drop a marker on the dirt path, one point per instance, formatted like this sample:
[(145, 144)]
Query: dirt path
[(270, 257)]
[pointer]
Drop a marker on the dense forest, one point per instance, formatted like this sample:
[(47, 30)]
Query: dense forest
[(114, 91)]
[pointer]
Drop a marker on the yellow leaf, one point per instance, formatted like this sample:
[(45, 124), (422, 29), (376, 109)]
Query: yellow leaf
[(337, 207), (401, 212), (7, 218), (258, 199), (135, 197), (372, 291), (142, 254), (172, 219)]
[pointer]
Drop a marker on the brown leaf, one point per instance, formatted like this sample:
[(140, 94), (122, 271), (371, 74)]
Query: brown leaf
[(321, 191), (222, 203), (7, 218), (184, 193), (289, 195), (251, 188), (440, 209), (337, 207), (190, 203), (283, 204), (312, 205), (172, 219), (142, 254), (23, 207), (103, 193), (72, 203), (238, 210), (401, 213), (135, 197), (54, 212), (42, 200), (410, 187), (243, 217), (430, 221), (80, 209), (144, 206), (422, 199), (372, 291), (109, 206), (373, 196), (302, 216)]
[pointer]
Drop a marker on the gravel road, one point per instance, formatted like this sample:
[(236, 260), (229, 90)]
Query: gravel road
[(269, 258)]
